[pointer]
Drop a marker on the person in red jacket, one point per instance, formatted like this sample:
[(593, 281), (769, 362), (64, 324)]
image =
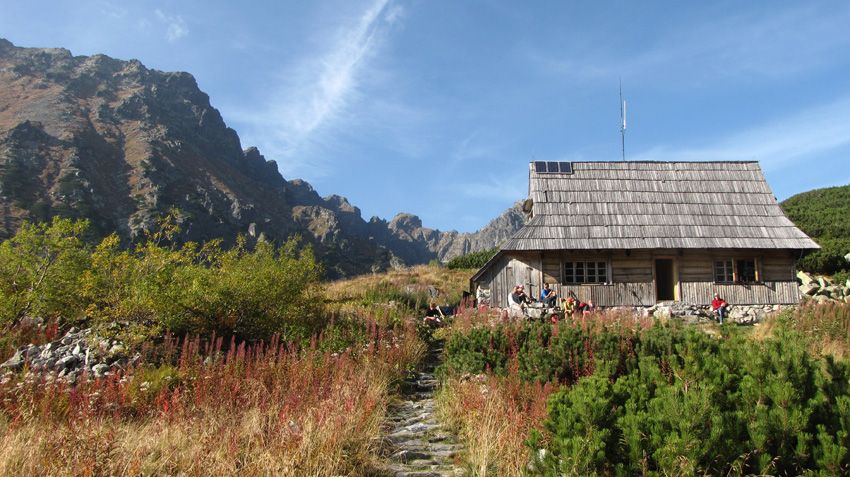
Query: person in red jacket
[(718, 306)]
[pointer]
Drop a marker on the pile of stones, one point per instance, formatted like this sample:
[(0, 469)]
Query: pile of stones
[(822, 289), (693, 314), (69, 357)]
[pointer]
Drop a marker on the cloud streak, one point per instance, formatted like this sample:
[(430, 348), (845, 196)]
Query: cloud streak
[(774, 144), (321, 88)]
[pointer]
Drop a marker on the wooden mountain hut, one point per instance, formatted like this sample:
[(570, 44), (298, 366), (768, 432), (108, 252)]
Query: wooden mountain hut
[(636, 233)]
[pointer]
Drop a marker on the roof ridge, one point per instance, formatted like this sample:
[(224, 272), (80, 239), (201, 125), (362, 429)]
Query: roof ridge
[(652, 162)]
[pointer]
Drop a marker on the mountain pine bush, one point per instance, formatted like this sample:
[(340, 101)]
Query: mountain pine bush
[(671, 400), (472, 260), (824, 215)]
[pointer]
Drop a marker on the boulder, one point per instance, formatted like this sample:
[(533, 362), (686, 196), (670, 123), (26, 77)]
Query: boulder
[(830, 291), (67, 362), (14, 363), (847, 257), (661, 312), (804, 277), (823, 282), (99, 370), (809, 289), (821, 299), (737, 313)]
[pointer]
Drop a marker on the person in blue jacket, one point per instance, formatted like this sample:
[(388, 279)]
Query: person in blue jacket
[(548, 296)]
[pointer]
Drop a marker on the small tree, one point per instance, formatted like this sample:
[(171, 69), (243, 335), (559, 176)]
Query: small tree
[(40, 268)]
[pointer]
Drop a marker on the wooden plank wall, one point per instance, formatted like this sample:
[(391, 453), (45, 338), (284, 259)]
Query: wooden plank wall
[(632, 277), (766, 293)]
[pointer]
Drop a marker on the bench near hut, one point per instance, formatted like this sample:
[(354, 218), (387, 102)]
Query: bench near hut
[(638, 233)]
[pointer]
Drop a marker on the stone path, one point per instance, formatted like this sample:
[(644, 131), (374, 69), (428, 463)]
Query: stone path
[(416, 444)]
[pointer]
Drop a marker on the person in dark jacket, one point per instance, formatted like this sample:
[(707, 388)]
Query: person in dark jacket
[(518, 297), (434, 316)]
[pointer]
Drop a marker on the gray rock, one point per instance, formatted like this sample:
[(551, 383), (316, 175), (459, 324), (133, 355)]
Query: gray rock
[(829, 291), (67, 362), (804, 277), (809, 289), (99, 370), (15, 363)]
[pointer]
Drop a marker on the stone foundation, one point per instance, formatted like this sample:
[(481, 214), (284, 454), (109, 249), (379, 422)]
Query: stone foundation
[(743, 314)]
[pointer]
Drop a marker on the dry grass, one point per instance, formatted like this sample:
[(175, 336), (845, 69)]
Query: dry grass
[(413, 281), (494, 416), (825, 326), (254, 410)]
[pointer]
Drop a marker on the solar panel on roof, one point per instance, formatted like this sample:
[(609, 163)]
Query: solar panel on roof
[(553, 167)]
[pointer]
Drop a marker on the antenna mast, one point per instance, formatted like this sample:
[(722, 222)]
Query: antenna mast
[(622, 122)]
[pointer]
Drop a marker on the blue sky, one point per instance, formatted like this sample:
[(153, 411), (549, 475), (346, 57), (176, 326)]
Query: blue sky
[(435, 107)]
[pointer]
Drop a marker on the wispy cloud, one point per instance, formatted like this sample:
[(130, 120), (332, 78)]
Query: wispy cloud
[(774, 144), (175, 26), (320, 88)]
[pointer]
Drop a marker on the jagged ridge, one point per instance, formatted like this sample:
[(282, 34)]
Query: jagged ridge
[(120, 144)]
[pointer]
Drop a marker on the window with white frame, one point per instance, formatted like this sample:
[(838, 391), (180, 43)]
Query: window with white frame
[(585, 272)]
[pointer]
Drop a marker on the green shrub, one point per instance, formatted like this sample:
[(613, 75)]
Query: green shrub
[(672, 400), (472, 260), (40, 269), (481, 349), (824, 215), (47, 270), (829, 259)]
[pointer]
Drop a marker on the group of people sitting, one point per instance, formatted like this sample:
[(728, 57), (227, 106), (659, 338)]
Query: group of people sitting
[(519, 301), (549, 298)]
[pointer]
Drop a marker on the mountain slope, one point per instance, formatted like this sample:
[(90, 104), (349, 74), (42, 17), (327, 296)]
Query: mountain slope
[(120, 144), (824, 215)]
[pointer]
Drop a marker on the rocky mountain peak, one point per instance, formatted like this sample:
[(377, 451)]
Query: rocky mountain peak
[(404, 223), (120, 144)]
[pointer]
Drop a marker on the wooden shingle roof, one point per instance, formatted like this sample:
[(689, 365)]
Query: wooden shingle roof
[(648, 205)]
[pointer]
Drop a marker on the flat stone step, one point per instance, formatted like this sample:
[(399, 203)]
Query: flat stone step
[(415, 443)]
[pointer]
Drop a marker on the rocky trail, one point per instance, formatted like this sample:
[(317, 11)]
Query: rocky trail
[(416, 443)]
